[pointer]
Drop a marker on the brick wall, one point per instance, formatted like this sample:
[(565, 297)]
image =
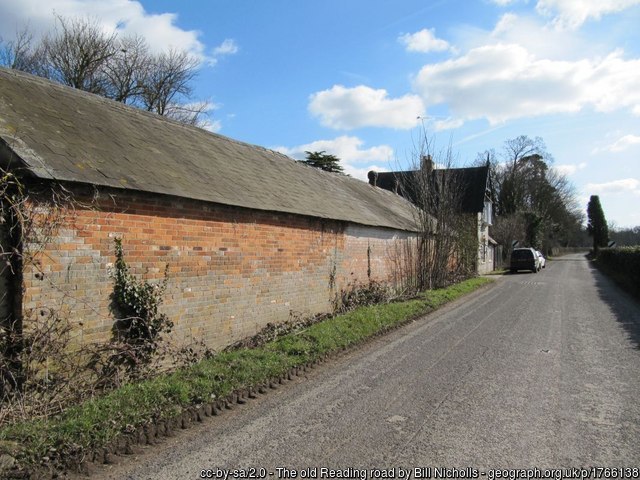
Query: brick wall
[(230, 270), (373, 254)]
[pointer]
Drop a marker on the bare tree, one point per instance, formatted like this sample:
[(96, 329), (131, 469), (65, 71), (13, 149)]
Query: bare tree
[(77, 53), (536, 204), (81, 54), (23, 53), (624, 236), (523, 146), (448, 239), (192, 113), (126, 69), (159, 83), (167, 80)]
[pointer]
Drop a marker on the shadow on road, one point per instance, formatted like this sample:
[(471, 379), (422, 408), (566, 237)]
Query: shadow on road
[(624, 306)]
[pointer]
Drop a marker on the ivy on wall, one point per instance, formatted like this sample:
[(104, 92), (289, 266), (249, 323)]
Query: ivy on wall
[(140, 323)]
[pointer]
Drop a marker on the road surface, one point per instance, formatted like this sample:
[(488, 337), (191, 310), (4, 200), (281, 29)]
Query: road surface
[(538, 371)]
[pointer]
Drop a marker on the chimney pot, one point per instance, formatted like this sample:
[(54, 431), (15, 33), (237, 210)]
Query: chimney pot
[(373, 178), (426, 162)]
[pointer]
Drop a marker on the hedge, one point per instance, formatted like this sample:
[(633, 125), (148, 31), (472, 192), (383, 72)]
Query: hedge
[(622, 265)]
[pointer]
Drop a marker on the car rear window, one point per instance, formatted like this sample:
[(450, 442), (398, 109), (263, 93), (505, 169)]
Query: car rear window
[(521, 254)]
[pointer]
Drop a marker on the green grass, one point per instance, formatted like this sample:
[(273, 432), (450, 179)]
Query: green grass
[(97, 422)]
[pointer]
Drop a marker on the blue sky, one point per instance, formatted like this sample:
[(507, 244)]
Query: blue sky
[(351, 77)]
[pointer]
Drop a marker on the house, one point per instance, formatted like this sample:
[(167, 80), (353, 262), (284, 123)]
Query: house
[(475, 199), (248, 236)]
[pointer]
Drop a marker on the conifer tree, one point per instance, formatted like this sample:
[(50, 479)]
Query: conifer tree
[(324, 161), (597, 226)]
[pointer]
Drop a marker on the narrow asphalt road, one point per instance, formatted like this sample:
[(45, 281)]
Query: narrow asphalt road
[(540, 370)]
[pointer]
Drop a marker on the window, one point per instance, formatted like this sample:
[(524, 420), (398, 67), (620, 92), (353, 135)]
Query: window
[(487, 213)]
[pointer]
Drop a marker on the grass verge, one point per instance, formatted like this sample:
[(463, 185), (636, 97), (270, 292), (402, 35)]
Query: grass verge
[(68, 438)]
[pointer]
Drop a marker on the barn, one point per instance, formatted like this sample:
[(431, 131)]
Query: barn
[(247, 236)]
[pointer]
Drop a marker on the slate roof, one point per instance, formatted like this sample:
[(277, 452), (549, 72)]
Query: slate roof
[(68, 135), (475, 181)]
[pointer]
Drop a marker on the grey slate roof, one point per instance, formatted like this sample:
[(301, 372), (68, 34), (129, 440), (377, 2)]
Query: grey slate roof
[(64, 134)]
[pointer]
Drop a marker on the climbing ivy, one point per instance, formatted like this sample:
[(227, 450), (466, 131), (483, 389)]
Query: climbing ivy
[(137, 302)]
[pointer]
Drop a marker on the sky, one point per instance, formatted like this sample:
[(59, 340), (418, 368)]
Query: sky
[(363, 79)]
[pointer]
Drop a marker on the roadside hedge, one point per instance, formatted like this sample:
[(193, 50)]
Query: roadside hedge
[(623, 266)]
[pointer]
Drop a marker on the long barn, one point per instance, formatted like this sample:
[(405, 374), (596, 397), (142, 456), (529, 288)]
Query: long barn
[(249, 235)]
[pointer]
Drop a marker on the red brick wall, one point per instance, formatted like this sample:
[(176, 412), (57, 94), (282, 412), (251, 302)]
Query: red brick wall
[(230, 270), (371, 253)]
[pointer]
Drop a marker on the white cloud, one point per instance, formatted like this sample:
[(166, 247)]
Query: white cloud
[(623, 143), (569, 169), (347, 148), (355, 160), (530, 32), (348, 108), (213, 126), (125, 16), (210, 124), (228, 47), (501, 82), (506, 23), (573, 13), (448, 124), (617, 186), (424, 41)]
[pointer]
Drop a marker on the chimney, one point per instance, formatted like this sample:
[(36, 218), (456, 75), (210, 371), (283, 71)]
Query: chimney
[(426, 162), (373, 178)]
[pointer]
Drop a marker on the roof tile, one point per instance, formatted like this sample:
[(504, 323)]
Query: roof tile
[(70, 135)]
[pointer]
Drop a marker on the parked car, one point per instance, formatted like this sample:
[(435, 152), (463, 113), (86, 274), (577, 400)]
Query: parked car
[(524, 259), (542, 260)]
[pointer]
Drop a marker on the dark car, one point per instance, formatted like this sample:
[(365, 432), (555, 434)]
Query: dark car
[(524, 259)]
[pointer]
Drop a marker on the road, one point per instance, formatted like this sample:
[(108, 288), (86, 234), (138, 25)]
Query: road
[(538, 371)]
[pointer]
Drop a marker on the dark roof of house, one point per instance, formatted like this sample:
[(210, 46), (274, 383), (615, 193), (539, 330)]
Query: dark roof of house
[(475, 182), (64, 134)]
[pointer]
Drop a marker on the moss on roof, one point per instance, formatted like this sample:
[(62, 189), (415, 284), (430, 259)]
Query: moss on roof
[(64, 134)]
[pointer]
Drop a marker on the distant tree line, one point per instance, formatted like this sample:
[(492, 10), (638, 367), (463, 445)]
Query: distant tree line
[(625, 237), (534, 203), (79, 53)]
